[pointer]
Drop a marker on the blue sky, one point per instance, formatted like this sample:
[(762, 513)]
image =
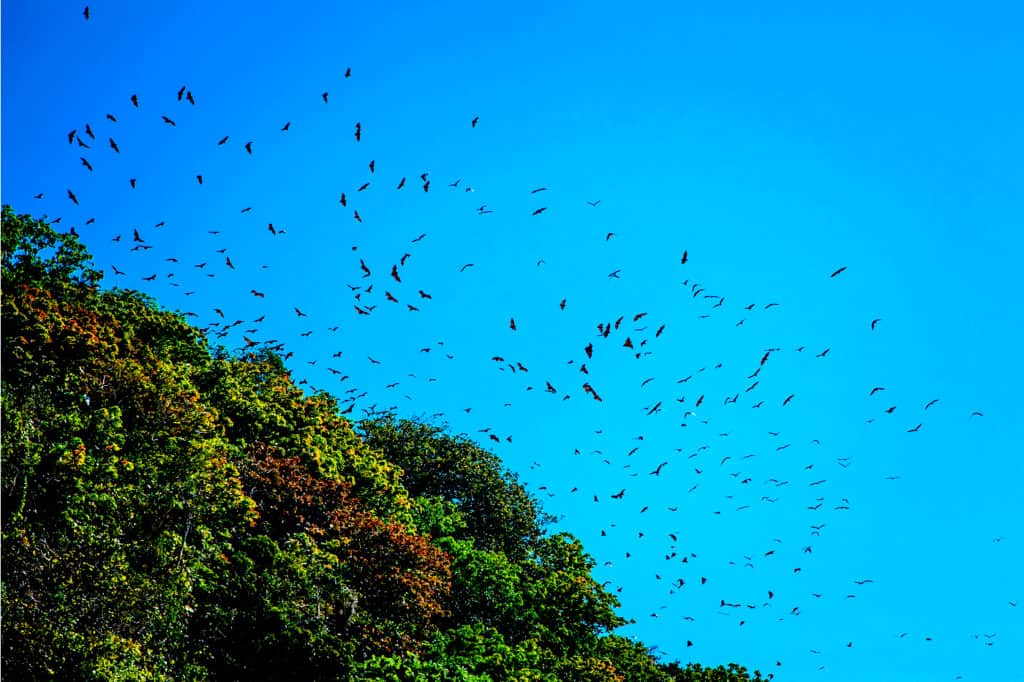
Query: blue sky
[(773, 145)]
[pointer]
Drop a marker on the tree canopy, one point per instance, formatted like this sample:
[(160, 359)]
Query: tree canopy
[(175, 512)]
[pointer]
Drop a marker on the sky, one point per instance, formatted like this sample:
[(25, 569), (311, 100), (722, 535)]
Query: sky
[(823, 536)]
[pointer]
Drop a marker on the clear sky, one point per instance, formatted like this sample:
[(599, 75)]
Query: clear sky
[(773, 146)]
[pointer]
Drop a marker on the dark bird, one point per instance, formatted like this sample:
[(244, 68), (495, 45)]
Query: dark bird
[(540, 210), (684, 259), (299, 313), (248, 147), (823, 353), (324, 95), (512, 323), (200, 179), (419, 238), (876, 389), (467, 265), (837, 272), (401, 183), (977, 414), (286, 126), (363, 187), (373, 163), (111, 117), (614, 274), (190, 98), (424, 294), (875, 322), (355, 214), (343, 201), (168, 121), (359, 126), (135, 101), (364, 268), (85, 162), (394, 273), (132, 182), (113, 145), (222, 140), (88, 131), (915, 429), (619, 495), (85, 13), (788, 398), (930, 403), (71, 195), (348, 72), (593, 203), (181, 92), (472, 124)]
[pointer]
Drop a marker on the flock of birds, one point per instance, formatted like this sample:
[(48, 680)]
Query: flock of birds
[(621, 336)]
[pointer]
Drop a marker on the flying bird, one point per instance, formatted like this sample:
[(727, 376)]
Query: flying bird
[(168, 121), (837, 272), (85, 13), (472, 124)]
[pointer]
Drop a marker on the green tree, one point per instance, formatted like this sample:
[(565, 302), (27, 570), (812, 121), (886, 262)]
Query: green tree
[(174, 512)]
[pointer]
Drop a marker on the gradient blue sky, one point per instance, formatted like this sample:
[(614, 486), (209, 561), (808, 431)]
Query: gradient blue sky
[(774, 145)]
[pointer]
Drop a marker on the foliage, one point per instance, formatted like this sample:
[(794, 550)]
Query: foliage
[(171, 512)]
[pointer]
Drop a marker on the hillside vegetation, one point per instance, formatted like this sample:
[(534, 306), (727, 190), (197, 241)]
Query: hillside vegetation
[(172, 511)]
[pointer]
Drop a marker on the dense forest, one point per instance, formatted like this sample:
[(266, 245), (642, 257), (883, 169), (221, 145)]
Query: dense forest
[(177, 511)]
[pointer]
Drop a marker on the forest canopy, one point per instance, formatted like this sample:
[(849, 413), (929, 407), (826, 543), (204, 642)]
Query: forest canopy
[(176, 511)]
